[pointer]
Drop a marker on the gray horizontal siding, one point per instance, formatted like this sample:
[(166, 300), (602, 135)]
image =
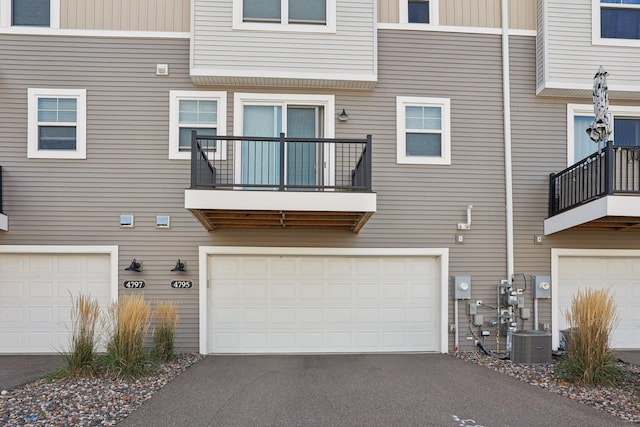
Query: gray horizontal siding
[(54, 202)]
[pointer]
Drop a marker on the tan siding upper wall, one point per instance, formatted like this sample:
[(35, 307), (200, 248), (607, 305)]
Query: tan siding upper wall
[(126, 15), (470, 13), (389, 11)]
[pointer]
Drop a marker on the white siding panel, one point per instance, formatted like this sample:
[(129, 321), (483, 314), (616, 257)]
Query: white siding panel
[(571, 57), (218, 49)]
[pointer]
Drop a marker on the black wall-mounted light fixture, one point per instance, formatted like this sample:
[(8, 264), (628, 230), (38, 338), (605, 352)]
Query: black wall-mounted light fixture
[(179, 266), (343, 116), (134, 266)]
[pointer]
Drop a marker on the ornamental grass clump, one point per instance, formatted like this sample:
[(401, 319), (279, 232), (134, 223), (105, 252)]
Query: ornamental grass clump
[(128, 321), (166, 318), (589, 359), (80, 359)]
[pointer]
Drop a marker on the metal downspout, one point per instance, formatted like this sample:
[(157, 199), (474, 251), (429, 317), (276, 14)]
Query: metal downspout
[(506, 100)]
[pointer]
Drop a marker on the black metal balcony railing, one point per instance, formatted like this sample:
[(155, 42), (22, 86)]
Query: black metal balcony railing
[(613, 170), (280, 163)]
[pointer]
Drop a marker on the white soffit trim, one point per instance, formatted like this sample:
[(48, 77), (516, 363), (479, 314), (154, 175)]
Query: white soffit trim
[(454, 29), (599, 208), (4, 222), (280, 74), (556, 254), (93, 33), (112, 251), (329, 201), (442, 253)]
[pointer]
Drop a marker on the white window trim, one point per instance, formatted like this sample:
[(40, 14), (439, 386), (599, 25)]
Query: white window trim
[(81, 124), (241, 99), (328, 27), (434, 13), (587, 110), (54, 10), (445, 105), (596, 39), (174, 97)]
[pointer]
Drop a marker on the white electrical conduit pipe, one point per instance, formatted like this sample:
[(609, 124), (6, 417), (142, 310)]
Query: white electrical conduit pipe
[(506, 101), (455, 314)]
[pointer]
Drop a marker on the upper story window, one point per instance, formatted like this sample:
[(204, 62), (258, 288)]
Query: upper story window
[(423, 126), (57, 123), (200, 111), (285, 15), (419, 12), (30, 15), (626, 129), (620, 19), (33, 13)]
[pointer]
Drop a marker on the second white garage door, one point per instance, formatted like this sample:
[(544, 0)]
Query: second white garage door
[(35, 297), (621, 274), (320, 304)]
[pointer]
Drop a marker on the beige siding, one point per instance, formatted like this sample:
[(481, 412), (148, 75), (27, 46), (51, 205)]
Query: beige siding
[(478, 13), (466, 13), (126, 15), (389, 11)]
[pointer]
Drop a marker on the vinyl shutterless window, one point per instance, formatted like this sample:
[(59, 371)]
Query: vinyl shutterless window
[(57, 123), (200, 115), (423, 130), (620, 19), (33, 13), (626, 129), (418, 11), (201, 111), (285, 11)]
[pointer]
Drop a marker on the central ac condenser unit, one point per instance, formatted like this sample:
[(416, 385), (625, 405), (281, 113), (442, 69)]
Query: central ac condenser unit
[(531, 347)]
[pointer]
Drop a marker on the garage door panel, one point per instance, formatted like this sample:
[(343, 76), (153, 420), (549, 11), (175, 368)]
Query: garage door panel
[(338, 304), (617, 274), (35, 297)]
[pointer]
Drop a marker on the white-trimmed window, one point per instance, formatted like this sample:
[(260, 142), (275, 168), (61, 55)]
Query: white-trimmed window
[(419, 12), (615, 22), (57, 123), (202, 111), (30, 13), (424, 130), (626, 129), (285, 15)]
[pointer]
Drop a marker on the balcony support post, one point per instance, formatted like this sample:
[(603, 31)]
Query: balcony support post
[(368, 173), (552, 194), (194, 159), (609, 168), (282, 147)]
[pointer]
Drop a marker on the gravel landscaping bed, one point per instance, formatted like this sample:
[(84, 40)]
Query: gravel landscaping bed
[(621, 400), (85, 401)]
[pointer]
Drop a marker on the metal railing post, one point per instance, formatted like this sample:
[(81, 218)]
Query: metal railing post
[(609, 168), (368, 162), (552, 194), (194, 159), (282, 146)]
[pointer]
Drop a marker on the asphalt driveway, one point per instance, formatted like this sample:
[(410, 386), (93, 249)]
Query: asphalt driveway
[(356, 390), (17, 370)]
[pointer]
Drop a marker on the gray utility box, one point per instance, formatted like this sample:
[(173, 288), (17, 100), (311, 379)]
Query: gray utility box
[(531, 347)]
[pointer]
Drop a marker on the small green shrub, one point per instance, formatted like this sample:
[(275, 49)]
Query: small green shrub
[(166, 317), (128, 322), (589, 360), (80, 358)]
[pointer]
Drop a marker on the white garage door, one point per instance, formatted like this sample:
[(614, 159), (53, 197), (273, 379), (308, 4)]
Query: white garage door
[(35, 302), (288, 304), (622, 274)]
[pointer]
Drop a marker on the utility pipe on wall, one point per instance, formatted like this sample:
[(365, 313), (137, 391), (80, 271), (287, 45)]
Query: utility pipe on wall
[(506, 101)]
